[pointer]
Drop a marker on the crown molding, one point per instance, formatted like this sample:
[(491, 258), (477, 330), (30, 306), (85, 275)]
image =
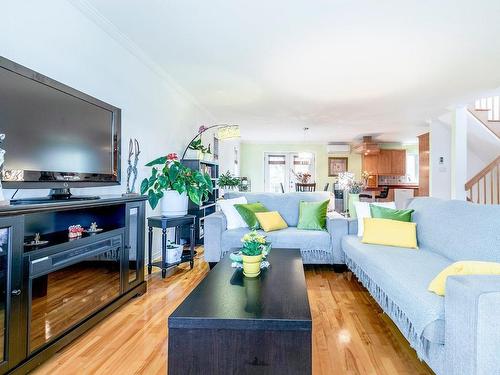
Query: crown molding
[(123, 40)]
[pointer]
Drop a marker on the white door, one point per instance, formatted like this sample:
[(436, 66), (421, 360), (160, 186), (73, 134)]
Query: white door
[(278, 167)]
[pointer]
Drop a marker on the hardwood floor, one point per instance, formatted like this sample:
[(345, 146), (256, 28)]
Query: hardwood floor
[(350, 333)]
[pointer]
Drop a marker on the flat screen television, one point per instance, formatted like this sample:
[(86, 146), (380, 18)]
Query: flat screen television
[(56, 137)]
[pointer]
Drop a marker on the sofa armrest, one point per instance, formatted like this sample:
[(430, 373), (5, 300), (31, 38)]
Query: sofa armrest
[(337, 226), (472, 329), (215, 225), (353, 225)]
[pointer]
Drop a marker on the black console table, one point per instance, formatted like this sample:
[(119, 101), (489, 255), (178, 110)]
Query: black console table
[(67, 284), (165, 222)]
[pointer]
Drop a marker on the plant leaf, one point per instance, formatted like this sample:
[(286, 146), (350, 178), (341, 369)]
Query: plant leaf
[(153, 199), (144, 186), (173, 172), (160, 160), (193, 195)]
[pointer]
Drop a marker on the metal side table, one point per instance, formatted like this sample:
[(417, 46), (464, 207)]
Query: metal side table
[(164, 223)]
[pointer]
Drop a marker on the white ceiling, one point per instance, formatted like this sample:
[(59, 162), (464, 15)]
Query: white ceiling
[(342, 68)]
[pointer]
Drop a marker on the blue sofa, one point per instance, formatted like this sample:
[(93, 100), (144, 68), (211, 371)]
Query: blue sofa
[(316, 247), (460, 332)]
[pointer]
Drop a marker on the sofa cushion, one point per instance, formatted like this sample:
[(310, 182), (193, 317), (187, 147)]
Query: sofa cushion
[(399, 276), (290, 237), (286, 204), (458, 230)]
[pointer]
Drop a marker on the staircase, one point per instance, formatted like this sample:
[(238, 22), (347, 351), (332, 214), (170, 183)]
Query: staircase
[(487, 110), (484, 187)]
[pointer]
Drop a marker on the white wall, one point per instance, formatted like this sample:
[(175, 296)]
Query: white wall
[(440, 146), (227, 161), (56, 39)]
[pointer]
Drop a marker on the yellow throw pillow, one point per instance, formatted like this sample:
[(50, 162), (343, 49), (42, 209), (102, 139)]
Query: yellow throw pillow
[(465, 267), (270, 221), (390, 233)]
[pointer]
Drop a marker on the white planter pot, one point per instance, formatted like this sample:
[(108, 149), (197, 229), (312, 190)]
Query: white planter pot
[(174, 204), (192, 154), (228, 189), (174, 254)]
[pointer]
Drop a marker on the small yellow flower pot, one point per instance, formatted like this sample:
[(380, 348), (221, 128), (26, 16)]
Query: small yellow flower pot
[(251, 265)]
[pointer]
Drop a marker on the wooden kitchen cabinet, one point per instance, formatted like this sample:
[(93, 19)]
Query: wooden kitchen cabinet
[(398, 162), (385, 162), (370, 164)]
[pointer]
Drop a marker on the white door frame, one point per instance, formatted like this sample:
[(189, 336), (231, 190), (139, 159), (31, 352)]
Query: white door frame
[(289, 184)]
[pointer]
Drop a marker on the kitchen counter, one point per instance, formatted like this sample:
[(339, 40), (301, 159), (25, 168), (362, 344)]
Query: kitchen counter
[(401, 186)]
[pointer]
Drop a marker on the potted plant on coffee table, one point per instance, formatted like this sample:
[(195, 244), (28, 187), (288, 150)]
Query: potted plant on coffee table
[(172, 184), (253, 249)]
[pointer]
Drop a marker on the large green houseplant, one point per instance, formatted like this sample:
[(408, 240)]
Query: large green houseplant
[(172, 183)]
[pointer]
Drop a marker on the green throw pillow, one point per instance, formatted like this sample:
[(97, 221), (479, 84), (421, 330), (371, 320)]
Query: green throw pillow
[(312, 215), (391, 214), (247, 212)]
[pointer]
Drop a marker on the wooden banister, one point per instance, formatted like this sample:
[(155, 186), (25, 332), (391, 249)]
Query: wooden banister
[(489, 168), (491, 172)]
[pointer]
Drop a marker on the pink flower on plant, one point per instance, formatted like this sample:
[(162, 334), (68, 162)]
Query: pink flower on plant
[(172, 156), (202, 129)]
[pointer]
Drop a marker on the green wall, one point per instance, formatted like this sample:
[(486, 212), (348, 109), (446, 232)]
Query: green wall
[(252, 161)]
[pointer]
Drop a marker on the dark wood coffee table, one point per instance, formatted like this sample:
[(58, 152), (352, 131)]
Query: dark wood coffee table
[(231, 324)]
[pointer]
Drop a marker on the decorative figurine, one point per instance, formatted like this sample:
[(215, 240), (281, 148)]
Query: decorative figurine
[(75, 231), (133, 151), (93, 228), (3, 202), (37, 241)]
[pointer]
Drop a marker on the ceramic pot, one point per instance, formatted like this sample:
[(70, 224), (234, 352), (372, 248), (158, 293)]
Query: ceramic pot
[(251, 265), (353, 198), (174, 204)]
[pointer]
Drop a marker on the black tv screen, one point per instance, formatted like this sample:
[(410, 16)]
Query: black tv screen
[(55, 134)]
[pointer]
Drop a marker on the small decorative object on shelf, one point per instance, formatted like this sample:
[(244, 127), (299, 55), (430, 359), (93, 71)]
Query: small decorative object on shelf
[(255, 248), (133, 151), (93, 228), (37, 241), (174, 252), (3, 202), (75, 231), (173, 183), (198, 150)]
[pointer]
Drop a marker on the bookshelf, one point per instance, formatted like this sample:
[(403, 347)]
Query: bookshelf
[(208, 207)]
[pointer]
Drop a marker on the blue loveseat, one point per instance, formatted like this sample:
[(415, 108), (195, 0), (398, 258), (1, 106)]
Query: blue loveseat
[(316, 247), (455, 334)]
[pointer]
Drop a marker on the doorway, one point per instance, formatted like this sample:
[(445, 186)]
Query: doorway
[(278, 167)]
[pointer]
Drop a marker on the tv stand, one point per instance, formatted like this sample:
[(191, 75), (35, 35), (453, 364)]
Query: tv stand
[(55, 195)]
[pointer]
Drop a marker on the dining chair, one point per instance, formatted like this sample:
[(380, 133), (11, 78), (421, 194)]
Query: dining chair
[(305, 187)]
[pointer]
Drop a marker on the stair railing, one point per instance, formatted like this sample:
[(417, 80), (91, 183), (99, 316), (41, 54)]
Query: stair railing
[(484, 187), (490, 104)]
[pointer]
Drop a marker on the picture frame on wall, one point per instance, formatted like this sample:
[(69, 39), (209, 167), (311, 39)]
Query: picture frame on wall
[(337, 165)]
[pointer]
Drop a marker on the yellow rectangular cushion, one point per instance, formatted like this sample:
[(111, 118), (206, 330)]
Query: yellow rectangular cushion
[(270, 221), (465, 267), (390, 233)]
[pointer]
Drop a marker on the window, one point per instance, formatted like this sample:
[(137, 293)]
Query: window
[(412, 167), (279, 167)]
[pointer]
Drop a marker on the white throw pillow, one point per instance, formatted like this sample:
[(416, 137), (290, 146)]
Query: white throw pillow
[(233, 218), (363, 211)]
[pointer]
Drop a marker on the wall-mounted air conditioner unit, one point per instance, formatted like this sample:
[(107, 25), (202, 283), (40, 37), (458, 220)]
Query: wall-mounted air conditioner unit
[(338, 149)]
